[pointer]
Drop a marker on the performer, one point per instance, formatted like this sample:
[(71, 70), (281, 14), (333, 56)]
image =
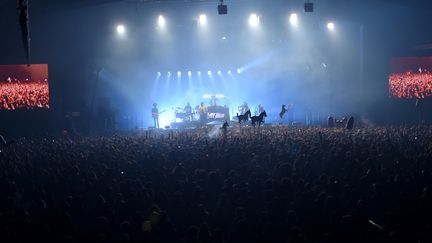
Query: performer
[(155, 115), (213, 100), (261, 110), (202, 110), (188, 112), (283, 110), (244, 108)]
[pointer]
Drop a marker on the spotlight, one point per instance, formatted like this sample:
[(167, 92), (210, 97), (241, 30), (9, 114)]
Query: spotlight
[(238, 70), (178, 73), (199, 73), (330, 26), (161, 21), (159, 73), (189, 73), (202, 19), (293, 19), (209, 72), (222, 9), (169, 74), (308, 7), (219, 72), (121, 29), (254, 20)]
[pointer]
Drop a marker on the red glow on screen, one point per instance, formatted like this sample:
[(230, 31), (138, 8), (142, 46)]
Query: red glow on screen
[(411, 77), (24, 87)]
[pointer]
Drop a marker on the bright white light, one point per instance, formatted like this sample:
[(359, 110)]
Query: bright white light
[(178, 73), (229, 72), (165, 120), (161, 21), (209, 72), (219, 72), (121, 29), (238, 70), (189, 73), (202, 19), (330, 26), (254, 20), (199, 73), (293, 19), (159, 73), (169, 74)]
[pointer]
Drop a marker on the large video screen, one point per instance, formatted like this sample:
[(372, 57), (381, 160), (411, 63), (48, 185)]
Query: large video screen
[(24, 87), (410, 77)]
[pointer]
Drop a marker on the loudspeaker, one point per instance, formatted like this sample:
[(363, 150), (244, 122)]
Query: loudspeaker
[(222, 9), (308, 7)]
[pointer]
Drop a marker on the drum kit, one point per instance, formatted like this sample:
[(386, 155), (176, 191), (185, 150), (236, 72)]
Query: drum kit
[(182, 115)]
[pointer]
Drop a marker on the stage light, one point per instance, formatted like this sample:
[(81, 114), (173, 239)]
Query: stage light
[(159, 73), (161, 21), (189, 73), (202, 19), (222, 9), (169, 74), (330, 26), (199, 73), (229, 72), (238, 70), (219, 72), (121, 29), (178, 73), (293, 19), (254, 20), (308, 7), (209, 72)]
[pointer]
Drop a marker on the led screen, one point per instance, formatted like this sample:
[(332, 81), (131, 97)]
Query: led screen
[(410, 77), (24, 87)]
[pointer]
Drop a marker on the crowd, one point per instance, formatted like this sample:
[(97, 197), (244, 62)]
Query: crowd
[(24, 94), (411, 84), (267, 184)]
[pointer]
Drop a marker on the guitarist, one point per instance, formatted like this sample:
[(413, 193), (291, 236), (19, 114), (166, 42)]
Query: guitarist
[(155, 115)]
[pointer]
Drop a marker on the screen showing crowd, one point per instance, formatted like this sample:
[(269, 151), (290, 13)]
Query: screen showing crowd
[(24, 87), (411, 77)]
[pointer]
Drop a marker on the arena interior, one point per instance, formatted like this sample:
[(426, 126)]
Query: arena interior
[(216, 121)]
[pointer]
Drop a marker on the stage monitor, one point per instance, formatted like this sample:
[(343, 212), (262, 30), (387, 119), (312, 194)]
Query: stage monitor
[(410, 77), (24, 87)]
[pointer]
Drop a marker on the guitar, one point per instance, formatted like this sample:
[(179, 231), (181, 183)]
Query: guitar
[(156, 114)]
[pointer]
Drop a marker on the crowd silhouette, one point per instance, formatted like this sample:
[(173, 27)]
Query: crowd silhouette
[(267, 184)]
